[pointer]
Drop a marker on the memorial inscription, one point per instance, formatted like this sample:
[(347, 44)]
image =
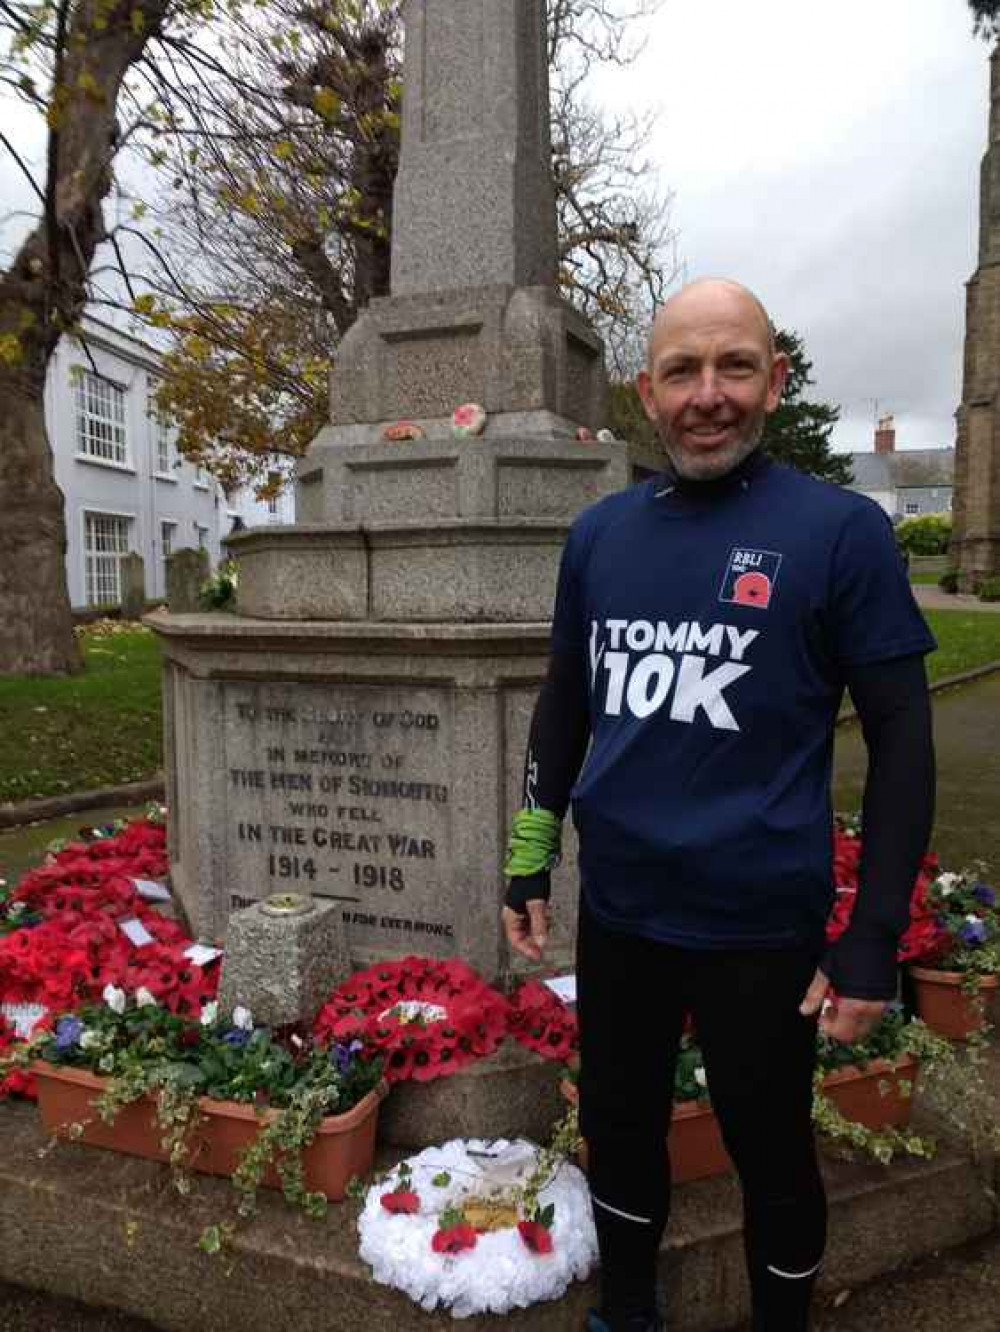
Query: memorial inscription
[(344, 794)]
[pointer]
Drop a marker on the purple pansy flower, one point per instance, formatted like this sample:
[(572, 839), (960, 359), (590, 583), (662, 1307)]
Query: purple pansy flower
[(982, 892), (972, 931), (236, 1036), (343, 1055), (68, 1033)]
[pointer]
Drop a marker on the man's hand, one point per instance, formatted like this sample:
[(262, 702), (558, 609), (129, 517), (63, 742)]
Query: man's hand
[(527, 932), (845, 1020)]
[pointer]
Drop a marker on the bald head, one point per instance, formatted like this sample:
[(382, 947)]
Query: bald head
[(713, 375), (709, 299)]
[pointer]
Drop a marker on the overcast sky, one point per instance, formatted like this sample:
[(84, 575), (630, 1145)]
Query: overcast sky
[(828, 156)]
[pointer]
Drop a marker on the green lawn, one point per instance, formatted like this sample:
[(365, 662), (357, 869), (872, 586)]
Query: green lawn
[(103, 726), (74, 733), (965, 639), (928, 579)]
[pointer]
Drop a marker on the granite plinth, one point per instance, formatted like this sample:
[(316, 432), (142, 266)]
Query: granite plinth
[(296, 573), (347, 760), (512, 1094), (353, 476), (511, 349), (457, 570), (282, 966)]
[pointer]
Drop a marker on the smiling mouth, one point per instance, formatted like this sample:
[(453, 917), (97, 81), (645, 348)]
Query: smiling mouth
[(709, 434)]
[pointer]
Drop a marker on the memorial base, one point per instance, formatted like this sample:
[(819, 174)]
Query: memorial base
[(102, 1228), (512, 1094)]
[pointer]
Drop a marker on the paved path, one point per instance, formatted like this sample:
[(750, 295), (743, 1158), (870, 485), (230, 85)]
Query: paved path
[(960, 1289), (930, 596)]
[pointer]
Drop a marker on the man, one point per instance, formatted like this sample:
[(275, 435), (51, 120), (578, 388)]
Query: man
[(706, 625)]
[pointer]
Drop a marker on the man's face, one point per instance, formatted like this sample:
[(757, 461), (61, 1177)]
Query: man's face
[(712, 379)]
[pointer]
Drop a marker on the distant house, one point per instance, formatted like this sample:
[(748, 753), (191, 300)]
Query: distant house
[(126, 488), (907, 482)]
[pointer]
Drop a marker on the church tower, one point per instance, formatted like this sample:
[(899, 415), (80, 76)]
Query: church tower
[(976, 540)]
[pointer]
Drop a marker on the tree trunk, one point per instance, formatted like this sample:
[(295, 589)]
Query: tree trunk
[(37, 636), (43, 294)]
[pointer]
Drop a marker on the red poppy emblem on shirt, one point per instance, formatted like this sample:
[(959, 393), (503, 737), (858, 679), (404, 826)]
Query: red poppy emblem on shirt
[(752, 589), (750, 577)]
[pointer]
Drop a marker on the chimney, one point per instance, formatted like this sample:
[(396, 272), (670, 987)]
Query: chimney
[(885, 435)]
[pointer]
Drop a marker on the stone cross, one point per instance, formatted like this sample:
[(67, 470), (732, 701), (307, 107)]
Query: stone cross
[(474, 202)]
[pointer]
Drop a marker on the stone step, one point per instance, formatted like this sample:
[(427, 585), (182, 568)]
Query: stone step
[(110, 1231)]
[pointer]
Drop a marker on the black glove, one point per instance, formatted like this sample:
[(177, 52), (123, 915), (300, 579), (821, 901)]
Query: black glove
[(525, 888)]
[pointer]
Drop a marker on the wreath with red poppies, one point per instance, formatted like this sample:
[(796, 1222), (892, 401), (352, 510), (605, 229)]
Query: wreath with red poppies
[(426, 1018), (61, 937), (539, 1020), (925, 937)]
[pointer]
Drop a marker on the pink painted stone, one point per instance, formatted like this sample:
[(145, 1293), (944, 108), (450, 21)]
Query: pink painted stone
[(585, 435), (468, 420)]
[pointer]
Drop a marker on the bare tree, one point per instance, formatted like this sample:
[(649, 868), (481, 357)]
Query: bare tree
[(280, 221), (68, 60), (104, 76), (617, 243), (986, 17)]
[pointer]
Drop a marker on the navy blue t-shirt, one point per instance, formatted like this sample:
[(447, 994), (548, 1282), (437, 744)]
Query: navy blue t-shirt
[(717, 632)]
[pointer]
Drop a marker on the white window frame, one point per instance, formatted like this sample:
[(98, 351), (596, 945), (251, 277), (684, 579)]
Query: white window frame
[(101, 437), (911, 508), (92, 580), (202, 535), (165, 459), (201, 478)]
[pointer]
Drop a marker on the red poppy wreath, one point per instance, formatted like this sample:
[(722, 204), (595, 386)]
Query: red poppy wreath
[(426, 1018)]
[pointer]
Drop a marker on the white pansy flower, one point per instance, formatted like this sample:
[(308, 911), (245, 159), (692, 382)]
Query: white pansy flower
[(700, 1077), (242, 1018), (946, 883), (144, 998), (114, 998), (210, 1014), (972, 920), (89, 1039)]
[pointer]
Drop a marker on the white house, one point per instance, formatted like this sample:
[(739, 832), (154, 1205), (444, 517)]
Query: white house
[(125, 487), (907, 482)]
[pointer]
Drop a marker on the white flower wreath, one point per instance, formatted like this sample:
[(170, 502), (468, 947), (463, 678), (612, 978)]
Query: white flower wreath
[(501, 1272)]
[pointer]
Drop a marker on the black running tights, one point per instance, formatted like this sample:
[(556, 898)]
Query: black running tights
[(759, 1055)]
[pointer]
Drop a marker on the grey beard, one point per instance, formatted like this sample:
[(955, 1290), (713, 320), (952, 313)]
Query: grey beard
[(695, 468)]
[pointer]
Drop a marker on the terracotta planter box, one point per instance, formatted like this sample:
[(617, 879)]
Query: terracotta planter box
[(946, 1007), (343, 1147), (857, 1092), (694, 1141)]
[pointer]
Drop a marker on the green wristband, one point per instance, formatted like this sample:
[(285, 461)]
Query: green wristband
[(535, 841)]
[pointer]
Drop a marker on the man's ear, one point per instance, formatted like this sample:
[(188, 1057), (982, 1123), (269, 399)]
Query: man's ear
[(644, 386), (776, 379)]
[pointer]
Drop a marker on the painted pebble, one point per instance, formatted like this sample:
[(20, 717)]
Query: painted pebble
[(468, 420), (403, 430)]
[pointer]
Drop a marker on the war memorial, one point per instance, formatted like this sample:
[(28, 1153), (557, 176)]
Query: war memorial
[(354, 736)]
